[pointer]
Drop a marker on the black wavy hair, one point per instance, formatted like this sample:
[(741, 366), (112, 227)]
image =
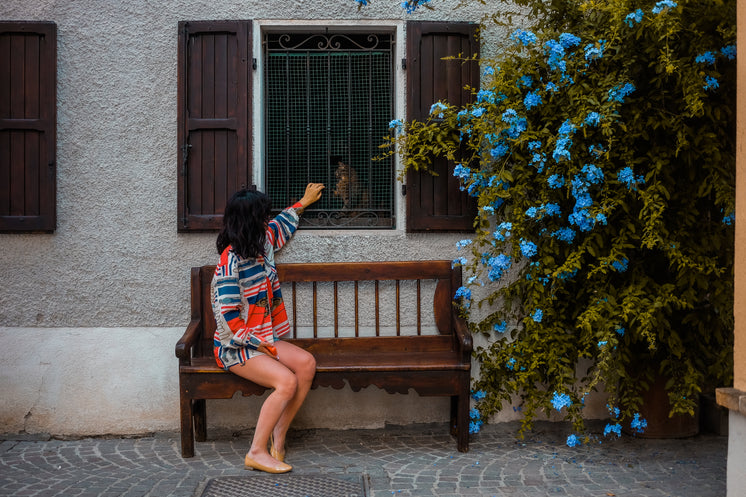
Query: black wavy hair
[(245, 223)]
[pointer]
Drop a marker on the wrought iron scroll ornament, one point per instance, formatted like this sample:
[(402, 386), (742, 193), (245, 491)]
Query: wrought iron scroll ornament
[(322, 41)]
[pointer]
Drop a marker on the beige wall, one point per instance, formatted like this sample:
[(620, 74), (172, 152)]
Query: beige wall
[(739, 379)]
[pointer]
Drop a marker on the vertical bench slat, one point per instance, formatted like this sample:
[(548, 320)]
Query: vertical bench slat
[(295, 313), (336, 312), (419, 315), (357, 317), (398, 306), (315, 314), (378, 321)]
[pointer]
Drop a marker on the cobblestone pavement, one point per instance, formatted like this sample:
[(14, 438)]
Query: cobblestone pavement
[(419, 460)]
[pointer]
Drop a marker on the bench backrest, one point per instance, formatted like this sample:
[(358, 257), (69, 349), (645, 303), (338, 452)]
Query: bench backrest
[(347, 277)]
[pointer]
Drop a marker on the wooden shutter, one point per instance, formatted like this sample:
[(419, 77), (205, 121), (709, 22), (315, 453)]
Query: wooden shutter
[(28, 118), (436, 203), (214, 119)]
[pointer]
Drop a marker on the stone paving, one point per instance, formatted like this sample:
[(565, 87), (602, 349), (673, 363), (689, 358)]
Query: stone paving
[(418, 460)]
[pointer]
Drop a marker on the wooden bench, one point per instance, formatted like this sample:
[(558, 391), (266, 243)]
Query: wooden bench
[(395, 356)]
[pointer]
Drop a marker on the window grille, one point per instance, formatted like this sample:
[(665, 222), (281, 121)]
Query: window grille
[(328, 102)]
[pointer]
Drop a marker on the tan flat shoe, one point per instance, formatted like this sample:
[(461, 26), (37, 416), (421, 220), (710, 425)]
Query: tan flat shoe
[(273, 450), (251, 464)]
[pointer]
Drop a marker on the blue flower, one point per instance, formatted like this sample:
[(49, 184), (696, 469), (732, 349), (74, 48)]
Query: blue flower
[(568, 40), (478, 395), (619, 93), (539, 160), (532, 100), (474, 413), (556, 181), (729, 219), (463, 243), (533, 145), (593, 174), (485, 96), (729, 52), (396, 124), (556, 53), (561, 400), (601, 218), (552, 87), (362, 2), (621, 265), (532, 212), (475, 426), (489, 71), (412, 5), (511, 363), (638, 424), (573, 441), (528, 249), (503, 231), (634, 18), (596, 149), (461, 261), (500, 327), (707, 58), (617, 428), (662, 5), (525, 37), (538, 315), (439, 108), (711, 83), (566, 129), (602, 344), (525, 80), (465, 293), (461, 171), (499, 151), (593, 118), (509, 116), (627, 176), (561, 151), (620, 332), (552, 209), (476, 112), (498, 265), (594, 51), (564, 234)]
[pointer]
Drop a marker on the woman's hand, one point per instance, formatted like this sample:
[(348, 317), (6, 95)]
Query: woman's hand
[(269, 349), (313, 193)]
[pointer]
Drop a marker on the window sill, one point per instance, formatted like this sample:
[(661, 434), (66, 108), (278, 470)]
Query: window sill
[(732, 398)]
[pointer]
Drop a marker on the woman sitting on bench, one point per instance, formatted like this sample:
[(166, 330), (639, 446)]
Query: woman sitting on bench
[(251, 317)]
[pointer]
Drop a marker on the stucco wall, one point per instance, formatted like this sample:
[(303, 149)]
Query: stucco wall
[(90, 314)]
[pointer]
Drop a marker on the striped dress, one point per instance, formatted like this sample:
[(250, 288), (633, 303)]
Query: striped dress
[(247, 302)]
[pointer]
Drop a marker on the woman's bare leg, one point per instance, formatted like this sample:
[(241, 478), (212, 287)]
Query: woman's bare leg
[(303, 364), (269, 373)]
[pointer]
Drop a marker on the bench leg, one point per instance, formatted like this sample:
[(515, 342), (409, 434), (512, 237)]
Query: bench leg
[(460, 416), (187, 431), (200, 420)]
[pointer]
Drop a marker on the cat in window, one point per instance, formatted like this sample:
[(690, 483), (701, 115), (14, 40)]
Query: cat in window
[(348, 188)]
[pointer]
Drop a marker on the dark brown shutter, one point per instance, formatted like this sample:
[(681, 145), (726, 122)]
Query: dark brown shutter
[(214, 119), (28, 118), (436, 203)]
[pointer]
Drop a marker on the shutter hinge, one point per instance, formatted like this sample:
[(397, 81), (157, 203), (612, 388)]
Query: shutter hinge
[(184, 158), (404, 190), (253, 63), (404, 63)]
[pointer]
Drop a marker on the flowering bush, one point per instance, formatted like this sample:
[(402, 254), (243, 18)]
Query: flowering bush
[(601, 151)]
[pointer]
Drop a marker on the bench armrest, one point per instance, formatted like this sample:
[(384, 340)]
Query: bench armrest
[(187, 340), (463, 336)]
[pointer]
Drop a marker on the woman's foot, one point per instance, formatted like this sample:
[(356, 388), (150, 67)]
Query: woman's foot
[(265, 462), (274, 449)]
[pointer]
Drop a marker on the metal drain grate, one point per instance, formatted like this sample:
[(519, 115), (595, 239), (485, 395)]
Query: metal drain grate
[(282, 486)]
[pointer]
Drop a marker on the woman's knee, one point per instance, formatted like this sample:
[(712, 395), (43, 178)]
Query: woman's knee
[(307, 367), (286, 386)]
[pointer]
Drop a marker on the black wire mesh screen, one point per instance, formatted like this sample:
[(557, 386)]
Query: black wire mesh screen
[(329, 100)]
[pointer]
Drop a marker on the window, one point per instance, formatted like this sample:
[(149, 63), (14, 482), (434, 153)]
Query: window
[(28, 116), (326, 102)]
